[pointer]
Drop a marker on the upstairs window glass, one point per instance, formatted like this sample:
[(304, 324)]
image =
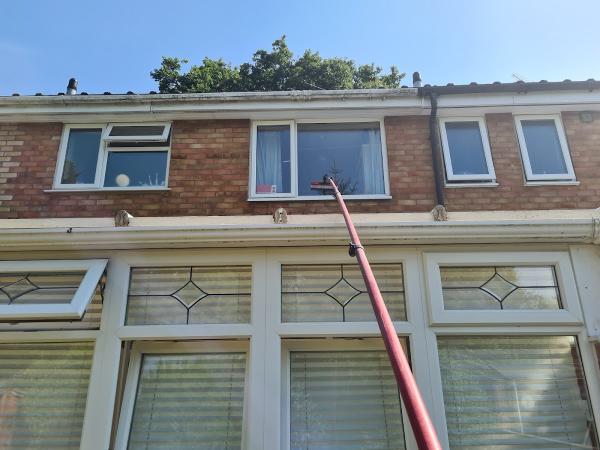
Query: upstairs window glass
[(123, 156), (287, 156), (467, 154), (544, 148)]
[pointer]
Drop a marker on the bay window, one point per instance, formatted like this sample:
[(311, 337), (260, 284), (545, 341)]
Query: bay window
[(278, 348), (288, 155)]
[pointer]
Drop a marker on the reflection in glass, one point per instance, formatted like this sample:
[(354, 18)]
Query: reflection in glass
[(136, 169), (81, 157)]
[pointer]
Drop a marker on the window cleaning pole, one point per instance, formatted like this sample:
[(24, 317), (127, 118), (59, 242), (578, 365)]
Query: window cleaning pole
[(420, 421)]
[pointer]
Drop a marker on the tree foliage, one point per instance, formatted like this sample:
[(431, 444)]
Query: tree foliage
[(275, 70)]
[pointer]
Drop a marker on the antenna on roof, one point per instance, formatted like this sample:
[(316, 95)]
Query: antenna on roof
[(517, 77)]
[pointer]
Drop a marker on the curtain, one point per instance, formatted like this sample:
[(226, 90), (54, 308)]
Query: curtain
[(268, 161), (506, 393), (344, 400), (372, 164), (189, 401)]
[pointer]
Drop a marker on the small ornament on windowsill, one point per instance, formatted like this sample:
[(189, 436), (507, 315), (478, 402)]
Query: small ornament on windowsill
[(122, 218), (280, 216)]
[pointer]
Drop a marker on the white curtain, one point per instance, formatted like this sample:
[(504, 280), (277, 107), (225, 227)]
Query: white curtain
[(268, 159), (372, 164)]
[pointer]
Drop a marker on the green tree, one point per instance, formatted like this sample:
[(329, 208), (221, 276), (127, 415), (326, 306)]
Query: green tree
[(274, 70)]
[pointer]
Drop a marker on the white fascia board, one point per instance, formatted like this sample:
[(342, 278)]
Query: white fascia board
[(582, 226)]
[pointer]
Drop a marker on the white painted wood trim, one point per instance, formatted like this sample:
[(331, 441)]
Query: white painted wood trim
[(80, 301)]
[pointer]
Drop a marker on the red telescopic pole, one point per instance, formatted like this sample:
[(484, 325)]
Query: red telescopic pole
[(409, 391)]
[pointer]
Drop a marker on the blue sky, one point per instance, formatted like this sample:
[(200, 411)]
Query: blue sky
[(112, 45)]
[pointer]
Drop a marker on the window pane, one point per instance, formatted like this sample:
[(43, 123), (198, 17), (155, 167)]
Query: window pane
[(543, 147), (515, 393), (136, 169), (43, 391), (189, 401), (466, 148), (491, 287), (81, 156), (186, 295), (344, 400), (273, 159), (337, 293), (351, 153), (137, 130)]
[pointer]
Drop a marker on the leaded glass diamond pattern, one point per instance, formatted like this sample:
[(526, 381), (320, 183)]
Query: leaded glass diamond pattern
[(508, 287), (337, 293), (343, 292), (498, 287), (19, 288), (189, 294)]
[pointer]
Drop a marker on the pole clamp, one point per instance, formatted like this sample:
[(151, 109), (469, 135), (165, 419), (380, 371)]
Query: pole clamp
[(353, 248)]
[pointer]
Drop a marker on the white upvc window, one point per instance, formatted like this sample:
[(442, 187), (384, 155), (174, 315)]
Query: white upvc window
[(287, 155), (48, 290), (544, 148), (467, 154), (502, 288), (186, 394), (113, 156)]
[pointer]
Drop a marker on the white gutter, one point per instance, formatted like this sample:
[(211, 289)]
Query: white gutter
[(577, 226)]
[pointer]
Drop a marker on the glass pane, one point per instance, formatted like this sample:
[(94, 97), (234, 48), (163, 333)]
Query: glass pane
[(39, 288), (543, 147), (507, 393), (273, 164), (81, 156), (136, 169), (189, 295), (43, 392), (189, 401), (137, 130), (344, 400), (351, 153), (466, 148), (337, 293), (491, 287)]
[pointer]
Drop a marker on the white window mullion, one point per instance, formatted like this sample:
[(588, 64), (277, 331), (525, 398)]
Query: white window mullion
[(97, 423)]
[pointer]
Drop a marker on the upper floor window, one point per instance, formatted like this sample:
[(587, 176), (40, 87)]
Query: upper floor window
[(114, 156), (287, 156), (544, 148), (467, 154)]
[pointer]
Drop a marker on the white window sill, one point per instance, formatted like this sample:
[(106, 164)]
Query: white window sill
[(552, 183), (151, 189), (318, 197), (471, 185)]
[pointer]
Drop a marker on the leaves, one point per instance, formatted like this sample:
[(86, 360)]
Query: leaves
[(274, 70)]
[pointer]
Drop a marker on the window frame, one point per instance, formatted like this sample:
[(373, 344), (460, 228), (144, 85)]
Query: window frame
[(103, 153), (293, 195), (479, 178), (106, 137), (571, 312), (529, 175), (140, 349), (94, 268), (328, 345)]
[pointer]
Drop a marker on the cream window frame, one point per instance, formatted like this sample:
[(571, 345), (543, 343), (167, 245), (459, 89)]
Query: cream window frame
[(571, 312), (152, 348), (476, 177), (530, 176), (94, 268), (293, 195)]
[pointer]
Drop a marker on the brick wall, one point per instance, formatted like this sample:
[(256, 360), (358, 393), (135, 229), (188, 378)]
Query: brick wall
[(210, 167)]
